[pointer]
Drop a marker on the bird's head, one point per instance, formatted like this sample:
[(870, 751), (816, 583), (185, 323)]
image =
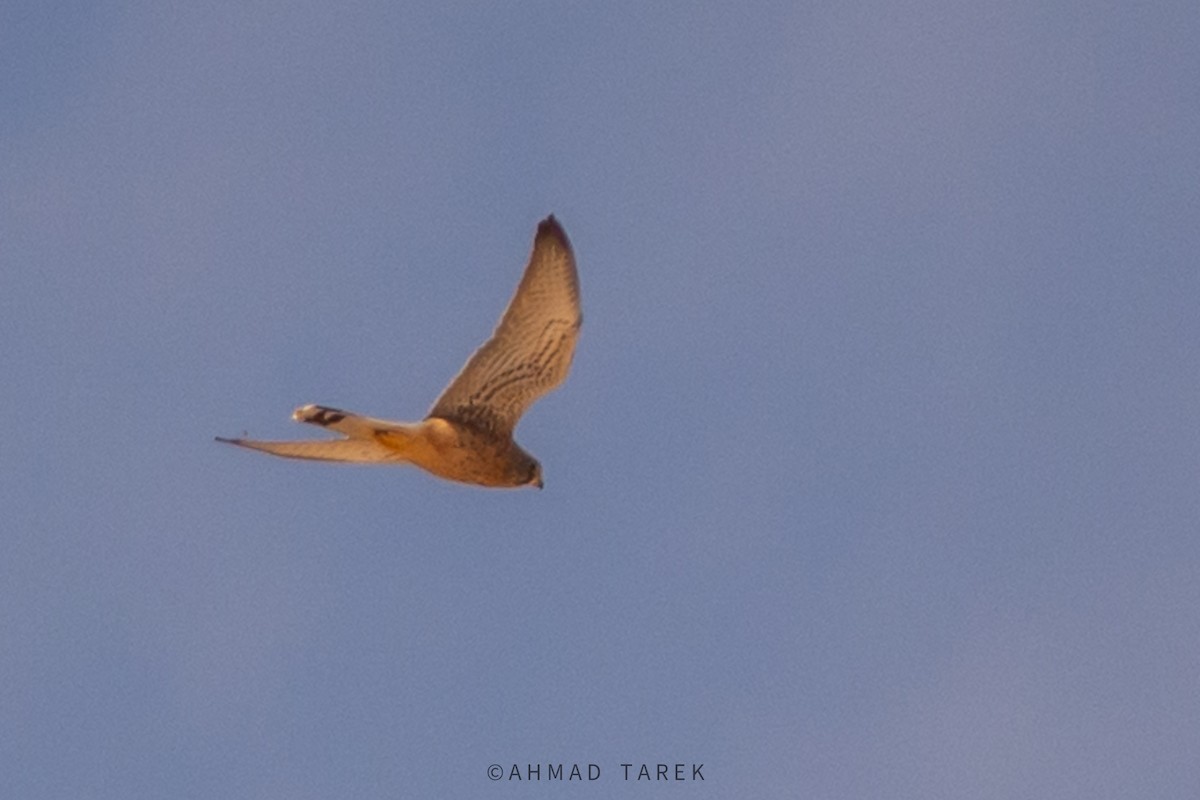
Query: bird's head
[(522, 469), (535, 475)]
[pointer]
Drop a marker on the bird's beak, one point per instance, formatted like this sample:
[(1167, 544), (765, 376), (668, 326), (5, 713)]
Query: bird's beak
[(538, 483)]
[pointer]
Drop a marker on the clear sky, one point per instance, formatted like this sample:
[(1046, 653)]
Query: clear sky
[(876, 475)]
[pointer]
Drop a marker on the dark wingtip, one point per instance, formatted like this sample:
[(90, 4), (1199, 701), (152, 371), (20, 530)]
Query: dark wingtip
[(549, 228)]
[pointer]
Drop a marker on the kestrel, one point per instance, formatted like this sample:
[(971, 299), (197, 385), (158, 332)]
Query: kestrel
[(468, 434)]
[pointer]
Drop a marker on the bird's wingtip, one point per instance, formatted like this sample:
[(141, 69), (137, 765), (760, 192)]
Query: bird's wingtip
[(550, 228)]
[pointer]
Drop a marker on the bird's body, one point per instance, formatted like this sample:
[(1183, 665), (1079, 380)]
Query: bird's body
[(467, 436)]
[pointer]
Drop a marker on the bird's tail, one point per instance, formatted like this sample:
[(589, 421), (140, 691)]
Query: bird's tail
[(346, 423)]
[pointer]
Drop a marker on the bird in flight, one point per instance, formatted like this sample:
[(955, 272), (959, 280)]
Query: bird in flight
[(468, 434)]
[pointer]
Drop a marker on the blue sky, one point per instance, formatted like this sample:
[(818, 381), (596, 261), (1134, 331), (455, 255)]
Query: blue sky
[(876, 474)]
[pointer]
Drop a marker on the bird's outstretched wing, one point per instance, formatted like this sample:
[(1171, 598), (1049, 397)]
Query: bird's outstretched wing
[(360, 445), (358, 451), (531, 349)]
